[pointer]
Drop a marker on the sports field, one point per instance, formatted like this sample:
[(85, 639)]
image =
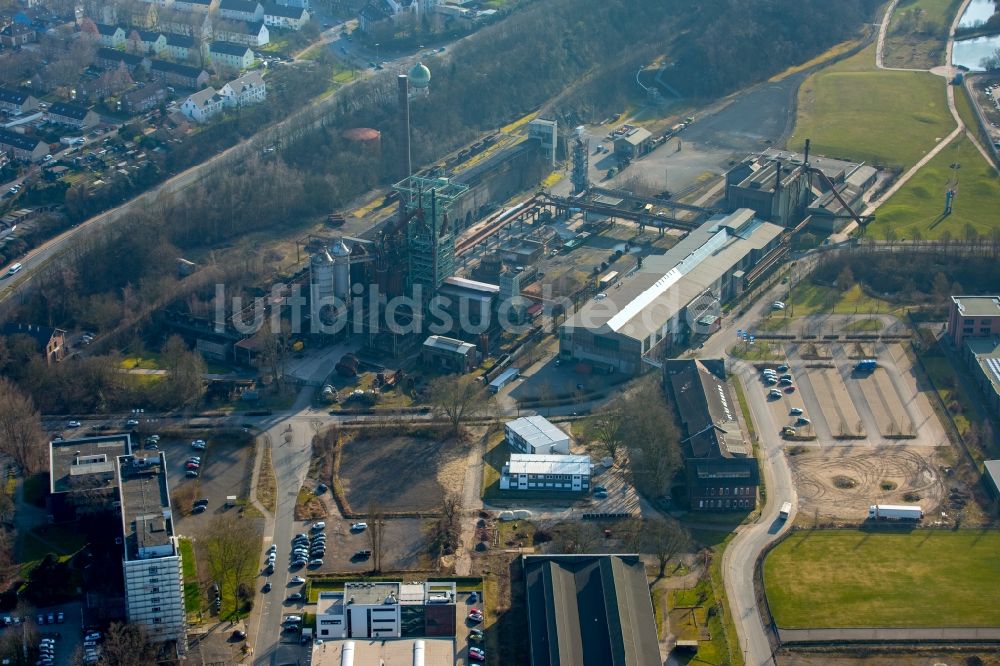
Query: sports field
[(918, 206), (854, 111), (856, 578)]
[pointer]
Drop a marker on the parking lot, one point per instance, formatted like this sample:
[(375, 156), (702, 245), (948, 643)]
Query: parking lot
[(405, 546), (224, 472)]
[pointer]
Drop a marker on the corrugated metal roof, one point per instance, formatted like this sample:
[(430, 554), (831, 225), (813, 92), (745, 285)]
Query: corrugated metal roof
[(525, 463)]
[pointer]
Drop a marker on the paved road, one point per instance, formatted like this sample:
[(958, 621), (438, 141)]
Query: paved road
[(740, 557)]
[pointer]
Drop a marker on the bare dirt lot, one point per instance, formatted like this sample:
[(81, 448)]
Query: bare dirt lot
[(841, 483), (401, 472)]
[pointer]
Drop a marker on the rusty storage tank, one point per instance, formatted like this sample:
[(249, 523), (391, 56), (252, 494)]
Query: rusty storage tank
[(367, 140)]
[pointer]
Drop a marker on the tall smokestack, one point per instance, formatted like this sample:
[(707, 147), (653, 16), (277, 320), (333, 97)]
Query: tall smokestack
[(805, 159), (404, 118)]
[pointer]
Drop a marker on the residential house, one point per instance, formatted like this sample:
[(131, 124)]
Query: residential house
[(231, 55), (182, 47), (143, 16), (73, 115), (113, 59), (241, 32), (111, 36), (244, 91), (153, 43), (174, 74), (49, 342), (379, 10), (17, 101), (283, 16), (203, 105), (241, 10), (21, 147), (16, 35), (110, 82), (144, 99), (720, 468), (192, 25), (194, 6)]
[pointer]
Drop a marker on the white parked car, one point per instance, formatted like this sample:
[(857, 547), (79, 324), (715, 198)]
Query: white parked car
[(359, 527)]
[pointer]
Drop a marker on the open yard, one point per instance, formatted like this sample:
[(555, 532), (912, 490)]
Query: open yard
[(401, 472), (857, 578), (808, 298), (917, 33), (918, 207), (851, 110)]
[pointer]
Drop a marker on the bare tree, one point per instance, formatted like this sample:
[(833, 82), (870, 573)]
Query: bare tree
[(231, 549), (608, 428), (664, 539), (449, 524), (458, 399), (648, 429), (21, 434), (127, 645), (376, 534)]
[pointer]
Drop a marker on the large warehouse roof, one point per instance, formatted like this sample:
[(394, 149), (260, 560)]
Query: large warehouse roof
[(589, 610), (652, 295)]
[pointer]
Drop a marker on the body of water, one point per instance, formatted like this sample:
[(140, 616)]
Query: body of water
[(976, 13), (971, 52)]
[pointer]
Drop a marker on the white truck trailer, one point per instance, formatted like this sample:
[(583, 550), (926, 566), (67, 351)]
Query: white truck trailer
[(895, 512), (786, 510)]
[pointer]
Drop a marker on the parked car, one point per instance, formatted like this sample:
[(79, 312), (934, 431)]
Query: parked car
[(191, 473), (476, 635), (295, 597), (239, 635), (73, 424), (476, 615), (477, 654), (266, 588), (198, 444), (296, 580), (359, 527), (318, 527), (131, 423), (795, 411), (200, 508)]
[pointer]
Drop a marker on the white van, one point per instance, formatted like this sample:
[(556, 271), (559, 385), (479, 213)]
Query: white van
[(14, 268)]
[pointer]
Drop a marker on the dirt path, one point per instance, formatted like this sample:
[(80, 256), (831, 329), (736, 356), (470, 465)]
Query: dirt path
[(472, 503)]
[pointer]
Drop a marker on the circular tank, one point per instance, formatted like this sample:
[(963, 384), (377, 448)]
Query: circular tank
[(341, 255), (420, 76), (366, 139)]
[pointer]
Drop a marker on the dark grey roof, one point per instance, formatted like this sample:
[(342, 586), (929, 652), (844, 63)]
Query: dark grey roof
[(149, 35), (703, 399), (69, 110), (285, 11), (16, 140), (589, 610), (183, 70), (239, 6), (229, 49), (185, 41), (13, 96), (106, 29)]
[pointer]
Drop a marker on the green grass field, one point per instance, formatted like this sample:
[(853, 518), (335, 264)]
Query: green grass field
[(918, 32), (918, 206), (192, 591), (854, 578), (807, 298), (853, 111)]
